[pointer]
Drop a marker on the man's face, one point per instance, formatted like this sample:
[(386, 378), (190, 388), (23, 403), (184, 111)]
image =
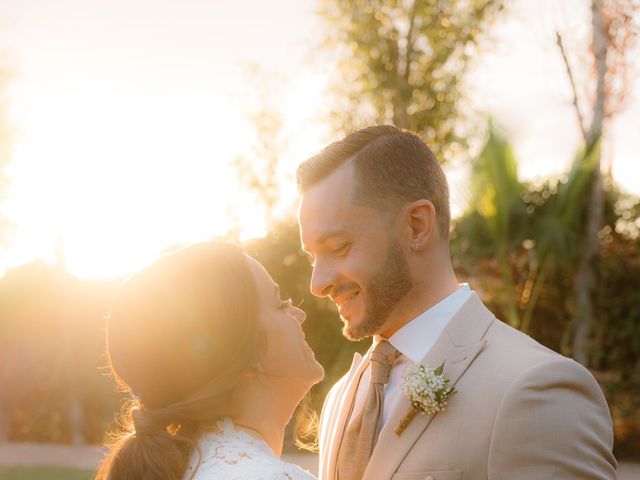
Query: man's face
[(357, 260)]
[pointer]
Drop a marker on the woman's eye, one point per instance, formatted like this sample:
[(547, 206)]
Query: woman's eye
[(288, 303)]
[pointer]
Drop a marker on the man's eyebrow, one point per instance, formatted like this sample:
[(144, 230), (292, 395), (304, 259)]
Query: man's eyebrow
[(323, 238)]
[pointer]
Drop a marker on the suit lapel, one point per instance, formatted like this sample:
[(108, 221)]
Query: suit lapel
[(340, 412), (459, 344)]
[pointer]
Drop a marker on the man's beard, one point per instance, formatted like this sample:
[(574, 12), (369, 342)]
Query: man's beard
[(385, 289)]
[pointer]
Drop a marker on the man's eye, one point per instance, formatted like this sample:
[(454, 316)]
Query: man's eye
[(288, 303)]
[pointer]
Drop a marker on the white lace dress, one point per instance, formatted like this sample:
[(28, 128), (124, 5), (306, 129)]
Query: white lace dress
[(230, 454)]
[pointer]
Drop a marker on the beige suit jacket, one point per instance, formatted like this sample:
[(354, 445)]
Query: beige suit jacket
[(522, 411)]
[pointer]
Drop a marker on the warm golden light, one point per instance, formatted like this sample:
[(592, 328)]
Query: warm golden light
[(116, 187), (105, 182), (125, 142)]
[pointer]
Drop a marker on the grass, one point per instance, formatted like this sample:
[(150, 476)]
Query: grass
[(43, 473)]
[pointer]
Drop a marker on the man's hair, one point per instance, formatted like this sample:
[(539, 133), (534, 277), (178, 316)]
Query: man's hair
[(392, 167)]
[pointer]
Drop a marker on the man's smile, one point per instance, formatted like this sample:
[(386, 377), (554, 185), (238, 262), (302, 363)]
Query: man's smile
[(345, 301)]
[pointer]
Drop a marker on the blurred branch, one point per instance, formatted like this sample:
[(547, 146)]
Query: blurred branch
[(576, 105), (600, 46), (409, 54)]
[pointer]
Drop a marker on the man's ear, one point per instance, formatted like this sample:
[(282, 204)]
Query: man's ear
[(420, 221)]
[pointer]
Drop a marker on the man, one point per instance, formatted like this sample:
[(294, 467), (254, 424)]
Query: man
[(374, 218)]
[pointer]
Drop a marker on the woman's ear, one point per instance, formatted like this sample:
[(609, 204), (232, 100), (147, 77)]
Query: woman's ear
[(420, 218)]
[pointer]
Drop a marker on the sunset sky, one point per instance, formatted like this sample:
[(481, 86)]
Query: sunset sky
[(127, 115)]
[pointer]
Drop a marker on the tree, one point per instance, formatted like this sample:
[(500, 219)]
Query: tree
[(402, 62), (259, 171), (614, 33)]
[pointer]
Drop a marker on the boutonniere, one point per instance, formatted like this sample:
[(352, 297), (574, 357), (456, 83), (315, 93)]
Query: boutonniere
[(428, 392)]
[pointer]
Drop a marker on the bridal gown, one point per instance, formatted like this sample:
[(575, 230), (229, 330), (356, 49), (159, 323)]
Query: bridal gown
[(230, 454)]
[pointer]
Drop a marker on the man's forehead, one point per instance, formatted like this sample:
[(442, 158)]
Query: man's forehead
[(339, 182), (325, 208), (324, 201), (320, 218), (315, 204)]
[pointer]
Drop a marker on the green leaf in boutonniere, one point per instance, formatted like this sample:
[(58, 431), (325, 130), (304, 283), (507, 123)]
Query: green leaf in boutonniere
[(428, 392)]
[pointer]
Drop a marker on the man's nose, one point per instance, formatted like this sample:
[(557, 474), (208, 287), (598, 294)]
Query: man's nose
[(322, 280)]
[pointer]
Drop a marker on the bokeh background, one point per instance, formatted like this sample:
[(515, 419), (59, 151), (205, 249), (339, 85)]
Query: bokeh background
[(128, 127)]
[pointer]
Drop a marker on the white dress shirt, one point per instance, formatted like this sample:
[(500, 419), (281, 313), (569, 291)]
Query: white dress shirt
[(413, 341)]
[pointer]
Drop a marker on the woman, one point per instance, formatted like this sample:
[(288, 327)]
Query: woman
[(216, 363)]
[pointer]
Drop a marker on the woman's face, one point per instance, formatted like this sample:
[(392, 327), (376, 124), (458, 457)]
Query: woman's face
[(287, 354)]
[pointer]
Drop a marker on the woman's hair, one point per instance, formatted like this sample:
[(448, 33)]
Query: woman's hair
[(180, 335)]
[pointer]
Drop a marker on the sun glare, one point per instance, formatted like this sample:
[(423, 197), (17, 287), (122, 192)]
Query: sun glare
[(114, 181), (103, 178)]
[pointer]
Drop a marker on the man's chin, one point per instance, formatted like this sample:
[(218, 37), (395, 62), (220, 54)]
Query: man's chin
[(353, 330)]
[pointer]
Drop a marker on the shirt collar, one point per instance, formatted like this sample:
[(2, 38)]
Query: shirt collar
[(415, 339)]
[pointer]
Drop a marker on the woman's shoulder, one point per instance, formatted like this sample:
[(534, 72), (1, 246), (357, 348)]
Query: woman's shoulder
[(229, 454)]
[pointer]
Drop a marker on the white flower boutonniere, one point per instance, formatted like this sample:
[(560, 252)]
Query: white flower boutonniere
[(428, 392)]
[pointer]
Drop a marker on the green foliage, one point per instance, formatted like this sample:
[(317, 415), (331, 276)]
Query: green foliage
[(561, 217), (497, 193), (618, 308), (402, 62), (498, 216), (526, 232)]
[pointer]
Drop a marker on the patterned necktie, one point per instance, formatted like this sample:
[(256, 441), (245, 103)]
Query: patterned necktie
[(362, 434)]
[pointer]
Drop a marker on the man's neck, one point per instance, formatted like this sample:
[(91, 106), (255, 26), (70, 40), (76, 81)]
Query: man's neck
[(422, 297)]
